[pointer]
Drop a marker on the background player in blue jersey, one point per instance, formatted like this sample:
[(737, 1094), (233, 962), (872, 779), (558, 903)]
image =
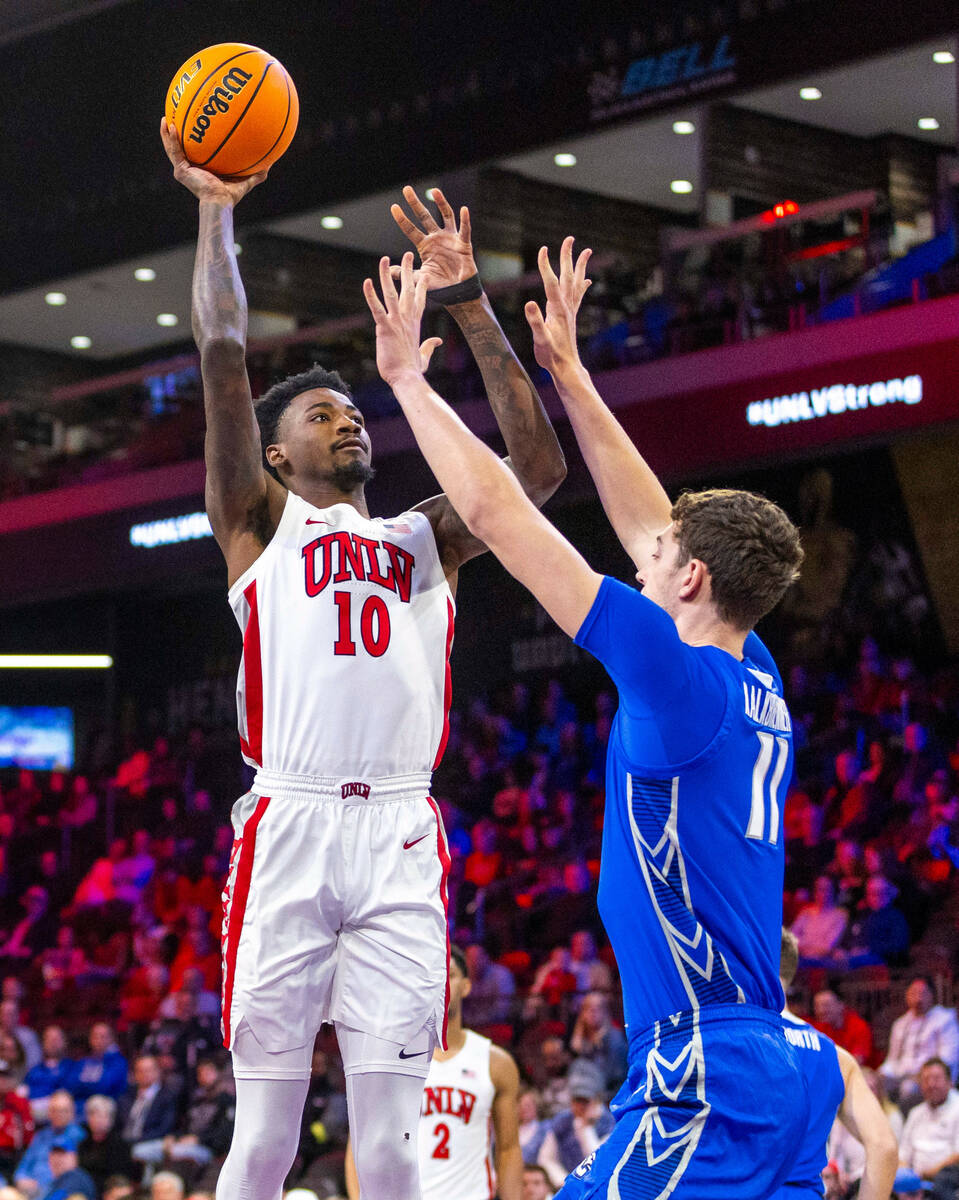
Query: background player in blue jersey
[(691, 880), (835, 1085)]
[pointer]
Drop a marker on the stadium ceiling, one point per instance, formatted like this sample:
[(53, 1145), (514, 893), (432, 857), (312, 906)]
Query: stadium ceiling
[(635, 162)]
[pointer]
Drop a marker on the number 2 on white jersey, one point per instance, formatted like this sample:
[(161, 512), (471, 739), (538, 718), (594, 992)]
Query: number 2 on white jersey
[(442, 1147), (757, 811)]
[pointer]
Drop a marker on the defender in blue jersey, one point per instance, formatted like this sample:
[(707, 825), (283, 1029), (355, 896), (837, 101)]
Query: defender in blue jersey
[(835, 1086), (699, 757)]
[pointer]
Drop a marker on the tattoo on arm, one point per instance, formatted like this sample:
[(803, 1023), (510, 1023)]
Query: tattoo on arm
[(219, 301), (534, 451)]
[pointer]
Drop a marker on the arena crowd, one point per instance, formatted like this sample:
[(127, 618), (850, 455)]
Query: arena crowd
[(113, 1081)]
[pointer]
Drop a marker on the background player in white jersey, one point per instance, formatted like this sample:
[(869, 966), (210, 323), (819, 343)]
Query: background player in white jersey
[(335, 904), (469, 1098), (836, 1086)]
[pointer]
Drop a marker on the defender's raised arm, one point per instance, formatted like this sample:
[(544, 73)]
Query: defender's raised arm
[(479, 486), (243, 502), (449, 270), (634, 499)]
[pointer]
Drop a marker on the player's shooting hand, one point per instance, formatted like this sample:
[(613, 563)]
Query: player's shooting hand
[(446, 252), (204, 184), (397, 317), (554, 336)]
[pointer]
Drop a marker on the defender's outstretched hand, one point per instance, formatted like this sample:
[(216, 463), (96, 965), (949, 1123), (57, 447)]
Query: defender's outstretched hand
[(397, 317), (204, 184), (554, 337), (446, 253)]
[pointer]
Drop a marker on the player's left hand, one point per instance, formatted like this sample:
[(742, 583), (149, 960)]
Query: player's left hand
[(397, 317), (554, 335), (446, 252)]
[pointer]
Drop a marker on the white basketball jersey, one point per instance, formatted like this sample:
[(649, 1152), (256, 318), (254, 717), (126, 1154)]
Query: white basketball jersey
[(347, 627), (455, 1125)]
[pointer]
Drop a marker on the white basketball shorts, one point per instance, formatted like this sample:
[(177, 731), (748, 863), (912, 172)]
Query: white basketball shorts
[(335, 910)]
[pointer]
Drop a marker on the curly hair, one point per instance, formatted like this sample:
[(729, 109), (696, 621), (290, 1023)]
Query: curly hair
[(271, 406), (747, 542)]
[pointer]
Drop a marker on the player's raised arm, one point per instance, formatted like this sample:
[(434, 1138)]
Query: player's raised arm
[(449, 268), (243, 502), (862, 1115), (634, 499), (480, 487)]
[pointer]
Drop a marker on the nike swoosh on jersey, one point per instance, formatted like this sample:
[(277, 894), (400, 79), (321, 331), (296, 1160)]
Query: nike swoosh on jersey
[(415, 1054), (310, 521), (410, 845)]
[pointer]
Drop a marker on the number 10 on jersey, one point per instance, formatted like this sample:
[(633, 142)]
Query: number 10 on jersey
[(374, 625), (768, 745)]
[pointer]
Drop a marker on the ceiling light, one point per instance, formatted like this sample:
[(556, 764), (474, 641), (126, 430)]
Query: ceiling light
[(167, 319), (928, 123), (944, 56), (683, 127), (810, 93), (565, 160), (682, 187), (237, 248), (144, 274), (429, 193), (81, 342), (55, 298), (331, 222), (58, 661)]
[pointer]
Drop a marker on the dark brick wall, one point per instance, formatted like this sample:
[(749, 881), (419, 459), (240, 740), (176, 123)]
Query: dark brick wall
[(516, 215), (804, 163), (792, 161), (28, 376)]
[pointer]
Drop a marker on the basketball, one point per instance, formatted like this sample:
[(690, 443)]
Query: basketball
[(234, 107)]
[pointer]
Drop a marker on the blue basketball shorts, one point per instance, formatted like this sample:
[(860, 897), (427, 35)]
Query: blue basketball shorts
[(714, 1108)]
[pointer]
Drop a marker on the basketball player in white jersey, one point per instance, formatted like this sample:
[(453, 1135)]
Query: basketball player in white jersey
[(471, 1092), (335, 904)]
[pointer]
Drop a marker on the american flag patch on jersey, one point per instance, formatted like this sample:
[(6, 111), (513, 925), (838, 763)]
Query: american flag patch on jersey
[(399, 526)]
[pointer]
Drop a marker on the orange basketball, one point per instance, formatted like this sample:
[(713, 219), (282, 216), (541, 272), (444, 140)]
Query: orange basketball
[(234, 107)]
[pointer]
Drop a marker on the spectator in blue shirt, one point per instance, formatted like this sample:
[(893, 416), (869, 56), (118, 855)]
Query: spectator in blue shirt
[(880, 934), (103, 1072), (69, 1179), (575, 1132), (33, 1176), (53, 1072)]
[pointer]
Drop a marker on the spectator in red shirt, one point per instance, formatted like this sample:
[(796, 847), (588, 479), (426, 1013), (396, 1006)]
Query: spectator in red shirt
[(16, 1121), (482, 866), (141, 994), (196, 950), (554, 981), (839, 1022)]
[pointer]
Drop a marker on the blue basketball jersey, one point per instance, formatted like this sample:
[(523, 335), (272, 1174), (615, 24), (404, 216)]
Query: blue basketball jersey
[(700, 755), (819, 1063)]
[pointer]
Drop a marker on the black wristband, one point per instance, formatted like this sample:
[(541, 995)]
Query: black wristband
[(457, 293)]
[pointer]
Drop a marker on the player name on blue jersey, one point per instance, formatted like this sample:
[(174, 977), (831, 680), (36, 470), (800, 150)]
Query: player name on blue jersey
[(766, 708), (805, 1038)]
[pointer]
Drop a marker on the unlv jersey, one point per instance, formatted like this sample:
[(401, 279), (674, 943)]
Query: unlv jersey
[(455, 1122), (346, 620)]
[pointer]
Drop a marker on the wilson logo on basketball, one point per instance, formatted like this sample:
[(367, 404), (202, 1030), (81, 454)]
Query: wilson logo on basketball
[(222, 96)]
